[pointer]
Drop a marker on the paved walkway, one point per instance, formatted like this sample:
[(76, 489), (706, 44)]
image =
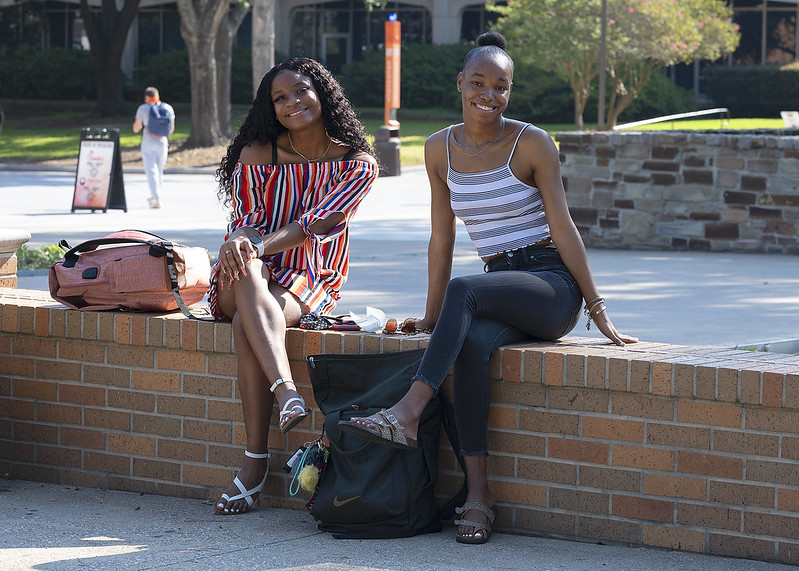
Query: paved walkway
[(692, 298), (701, 298), (60, 528)]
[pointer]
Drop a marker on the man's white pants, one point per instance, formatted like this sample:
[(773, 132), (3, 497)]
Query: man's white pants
[(153, 155)]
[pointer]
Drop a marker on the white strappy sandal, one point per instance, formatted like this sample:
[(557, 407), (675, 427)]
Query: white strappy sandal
[(288, 408), (248, 495)]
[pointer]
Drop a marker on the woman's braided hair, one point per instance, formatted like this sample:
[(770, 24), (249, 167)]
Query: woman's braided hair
[(262, 126)]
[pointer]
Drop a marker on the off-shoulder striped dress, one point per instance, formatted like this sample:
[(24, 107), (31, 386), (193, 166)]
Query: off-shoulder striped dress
[(268, 197)]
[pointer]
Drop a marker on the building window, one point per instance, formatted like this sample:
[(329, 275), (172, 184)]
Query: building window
[(476, 20), (768, 32), (337, 33), (158, 31), (781, 41)]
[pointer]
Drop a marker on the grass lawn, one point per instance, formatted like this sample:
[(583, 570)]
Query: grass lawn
[(47, 130), (712, 125)]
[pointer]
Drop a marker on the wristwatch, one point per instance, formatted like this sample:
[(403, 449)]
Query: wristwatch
[(258, 242)]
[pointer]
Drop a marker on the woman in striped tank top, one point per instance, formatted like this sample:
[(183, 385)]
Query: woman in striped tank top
[(502, 178), (293, 175)]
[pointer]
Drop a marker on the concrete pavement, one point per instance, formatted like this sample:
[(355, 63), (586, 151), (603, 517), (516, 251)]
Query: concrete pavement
[(692, 298), (724, 300), (63, 528)]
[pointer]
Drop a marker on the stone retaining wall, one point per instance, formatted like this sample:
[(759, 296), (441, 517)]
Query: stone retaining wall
[(684, 190), (691, 448)]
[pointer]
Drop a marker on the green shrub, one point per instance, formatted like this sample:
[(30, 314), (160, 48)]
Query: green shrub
[(538, 96), (169, 72), (659, 97), (241, 76), (38, 259), (428, 74), (58, 73), (753, 91), (363, 81)]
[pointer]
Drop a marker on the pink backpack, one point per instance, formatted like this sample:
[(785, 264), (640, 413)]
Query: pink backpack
[(130, 269)]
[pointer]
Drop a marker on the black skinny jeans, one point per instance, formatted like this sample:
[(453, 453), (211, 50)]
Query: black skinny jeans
[(525, 294)]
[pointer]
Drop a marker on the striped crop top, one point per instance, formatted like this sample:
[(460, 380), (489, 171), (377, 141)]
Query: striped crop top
[(501, 212)]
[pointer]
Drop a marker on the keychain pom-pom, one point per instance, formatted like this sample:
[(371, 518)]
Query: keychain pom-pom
[(308, 478)]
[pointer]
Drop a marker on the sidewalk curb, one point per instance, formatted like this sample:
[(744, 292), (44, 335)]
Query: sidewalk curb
[(21, 167)]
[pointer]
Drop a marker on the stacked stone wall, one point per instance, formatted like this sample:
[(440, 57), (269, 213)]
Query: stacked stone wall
[(684, 190)]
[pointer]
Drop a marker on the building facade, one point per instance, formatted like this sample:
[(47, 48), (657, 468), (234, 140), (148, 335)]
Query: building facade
[(341, 31)]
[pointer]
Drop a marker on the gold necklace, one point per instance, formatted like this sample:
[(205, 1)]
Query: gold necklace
[(484, 146), (329, 144)]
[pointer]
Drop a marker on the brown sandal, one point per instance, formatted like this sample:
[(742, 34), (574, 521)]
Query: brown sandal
[(483, 528), (390, 432)]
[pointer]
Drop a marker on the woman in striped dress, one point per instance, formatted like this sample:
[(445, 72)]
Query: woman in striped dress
[(293, 176), (502, 178)]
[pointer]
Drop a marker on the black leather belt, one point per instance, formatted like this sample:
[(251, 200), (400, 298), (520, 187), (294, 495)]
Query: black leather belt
[(506, 260)]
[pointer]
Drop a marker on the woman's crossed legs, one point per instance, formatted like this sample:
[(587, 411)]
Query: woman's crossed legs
[(260, 310)]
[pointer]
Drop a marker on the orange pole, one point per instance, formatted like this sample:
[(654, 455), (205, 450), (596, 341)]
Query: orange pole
[(392, 79)]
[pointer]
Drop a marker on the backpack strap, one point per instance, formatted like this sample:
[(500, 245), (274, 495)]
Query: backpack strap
[(274, 151), (173, 282)]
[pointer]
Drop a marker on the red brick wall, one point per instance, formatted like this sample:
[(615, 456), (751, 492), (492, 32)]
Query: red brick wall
[(691, 448)]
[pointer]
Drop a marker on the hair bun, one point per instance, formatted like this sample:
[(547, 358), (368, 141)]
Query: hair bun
[(492, 39)]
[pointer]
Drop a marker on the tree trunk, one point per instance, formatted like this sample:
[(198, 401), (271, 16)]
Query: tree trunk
[(628, 82), (263, 40), (581, 75), (579, 105), (106, 45), (199, 22), (581, 87), (223, 53)]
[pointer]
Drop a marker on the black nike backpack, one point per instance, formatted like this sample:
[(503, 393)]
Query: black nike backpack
[(368, 490)]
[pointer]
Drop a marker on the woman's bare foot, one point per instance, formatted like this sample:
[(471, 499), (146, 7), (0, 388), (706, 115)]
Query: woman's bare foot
[(250, 479), (291, 405), (480, 532), (410, 425)]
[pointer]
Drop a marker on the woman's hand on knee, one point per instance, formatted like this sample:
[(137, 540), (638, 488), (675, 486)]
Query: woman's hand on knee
[(234, 255)]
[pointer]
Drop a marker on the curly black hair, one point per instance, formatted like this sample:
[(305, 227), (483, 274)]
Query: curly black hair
[(262, 126)]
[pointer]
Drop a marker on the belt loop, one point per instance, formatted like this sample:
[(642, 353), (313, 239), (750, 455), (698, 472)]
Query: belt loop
[(527, 257)]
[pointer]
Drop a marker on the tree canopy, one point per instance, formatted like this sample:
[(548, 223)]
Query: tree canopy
[(642, 35)]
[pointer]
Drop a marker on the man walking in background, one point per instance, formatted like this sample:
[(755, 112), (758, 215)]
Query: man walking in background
[(156, 120)]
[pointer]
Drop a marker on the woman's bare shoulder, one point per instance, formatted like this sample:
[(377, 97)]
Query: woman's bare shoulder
[(533, 134), (435, 148), (256, 154), (363, 156), (439, 137)]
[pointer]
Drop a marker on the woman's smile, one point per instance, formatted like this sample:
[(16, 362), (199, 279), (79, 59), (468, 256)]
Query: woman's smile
[(482, 107)]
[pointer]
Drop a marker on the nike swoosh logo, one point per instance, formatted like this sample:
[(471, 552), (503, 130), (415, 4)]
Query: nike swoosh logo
[(337, 503)]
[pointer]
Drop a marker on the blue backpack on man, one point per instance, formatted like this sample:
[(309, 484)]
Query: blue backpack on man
[(160, 121)]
